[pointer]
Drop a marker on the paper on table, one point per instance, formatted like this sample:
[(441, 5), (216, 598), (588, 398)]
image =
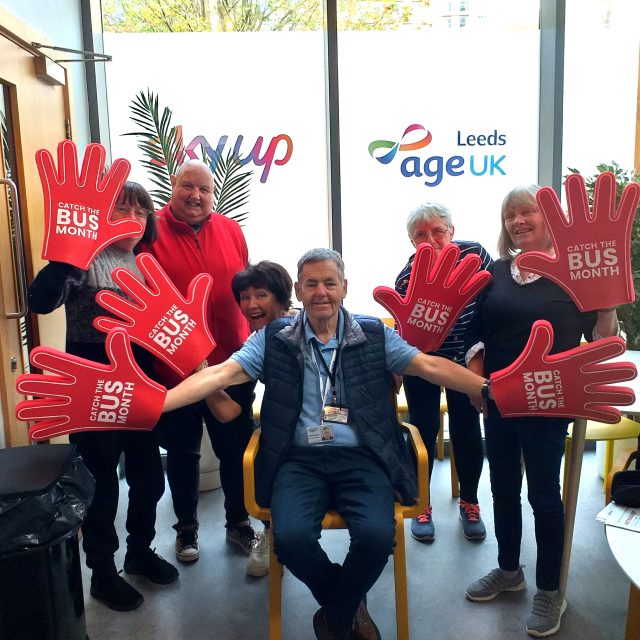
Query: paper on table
[(620, 516)]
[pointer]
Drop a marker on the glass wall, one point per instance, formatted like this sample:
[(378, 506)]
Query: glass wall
[(445, 111), (601, 83), (261, 94), (438, 100)]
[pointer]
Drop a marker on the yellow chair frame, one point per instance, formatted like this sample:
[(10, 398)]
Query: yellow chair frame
[(332, 520), (403, 408)]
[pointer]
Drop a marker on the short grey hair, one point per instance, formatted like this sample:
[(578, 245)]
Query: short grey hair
[(524, 194), (190, 164), (427, 212), (320, 255)]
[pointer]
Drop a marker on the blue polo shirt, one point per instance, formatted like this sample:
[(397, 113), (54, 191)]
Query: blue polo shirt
[(251, 358)]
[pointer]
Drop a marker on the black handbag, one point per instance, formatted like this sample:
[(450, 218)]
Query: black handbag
[(625, 485)]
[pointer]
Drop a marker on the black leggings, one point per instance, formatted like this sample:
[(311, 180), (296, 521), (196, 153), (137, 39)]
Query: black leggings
[(143, 471), (423, 400)]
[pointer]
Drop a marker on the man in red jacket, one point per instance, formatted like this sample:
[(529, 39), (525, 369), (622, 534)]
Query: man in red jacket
[(192, 240)]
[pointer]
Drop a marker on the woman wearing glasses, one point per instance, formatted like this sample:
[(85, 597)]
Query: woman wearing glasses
[(431, 222), (63, 284)]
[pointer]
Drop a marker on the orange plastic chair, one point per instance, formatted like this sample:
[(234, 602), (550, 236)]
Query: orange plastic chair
[(332, 520)]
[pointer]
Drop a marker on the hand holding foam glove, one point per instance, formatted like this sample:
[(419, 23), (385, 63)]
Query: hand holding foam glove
[(592, 261), (77, 207), (573, 384), (89, 396), (436, 295), (162, 321)]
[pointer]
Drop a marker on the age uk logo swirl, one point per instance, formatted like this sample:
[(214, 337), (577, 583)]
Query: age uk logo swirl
[(387, 157)]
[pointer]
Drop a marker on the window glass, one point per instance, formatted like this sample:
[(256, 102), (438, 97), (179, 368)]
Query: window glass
[(601, 83), (259, 92), (445, 109)]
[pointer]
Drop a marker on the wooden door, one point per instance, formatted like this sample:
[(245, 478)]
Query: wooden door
[(33, 115)]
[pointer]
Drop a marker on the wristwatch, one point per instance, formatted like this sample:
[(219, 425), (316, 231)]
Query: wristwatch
[(484, 391)]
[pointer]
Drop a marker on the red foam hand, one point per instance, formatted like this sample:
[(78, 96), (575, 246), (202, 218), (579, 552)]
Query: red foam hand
[(592, 261), (77, 207), (89, 396), (436, 295), (162, 321), (575, 384)]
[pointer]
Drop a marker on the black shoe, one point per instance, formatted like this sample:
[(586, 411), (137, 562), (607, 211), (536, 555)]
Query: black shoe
[(115, 592), (150, 565)]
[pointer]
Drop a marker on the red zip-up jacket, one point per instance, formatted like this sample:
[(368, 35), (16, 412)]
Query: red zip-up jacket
[(218, 248)]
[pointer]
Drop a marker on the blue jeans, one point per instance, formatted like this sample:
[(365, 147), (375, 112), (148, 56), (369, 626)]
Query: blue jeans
[(348, 479), (541, 441), (423, 400)]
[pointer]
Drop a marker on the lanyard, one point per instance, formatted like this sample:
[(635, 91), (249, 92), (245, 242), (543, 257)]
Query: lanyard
[(330, 370)]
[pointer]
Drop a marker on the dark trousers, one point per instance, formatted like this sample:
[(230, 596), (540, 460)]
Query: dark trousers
[(143, 471), (180, 433), (541, 443), (423, 400), (312, 480)]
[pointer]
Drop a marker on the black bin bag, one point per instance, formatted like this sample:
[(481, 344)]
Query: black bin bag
[(44, 494)]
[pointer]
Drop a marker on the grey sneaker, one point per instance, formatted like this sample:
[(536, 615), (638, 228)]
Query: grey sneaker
[(258, 560), (422, 527), (493, 583), (544, 619), (472, 525)]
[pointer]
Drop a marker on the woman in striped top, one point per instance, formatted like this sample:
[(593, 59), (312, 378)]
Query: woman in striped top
[(431, 222)]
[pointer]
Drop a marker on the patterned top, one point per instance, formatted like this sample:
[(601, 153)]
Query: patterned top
[(453, 346)]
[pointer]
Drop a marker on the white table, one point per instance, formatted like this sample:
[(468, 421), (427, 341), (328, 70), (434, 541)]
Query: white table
[(625, 546), (574, 464)]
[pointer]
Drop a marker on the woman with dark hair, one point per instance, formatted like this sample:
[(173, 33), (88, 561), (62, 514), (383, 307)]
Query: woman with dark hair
[(59, 284), (263, 292)]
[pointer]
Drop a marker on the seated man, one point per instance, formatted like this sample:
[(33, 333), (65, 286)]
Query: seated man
[(330, 437)]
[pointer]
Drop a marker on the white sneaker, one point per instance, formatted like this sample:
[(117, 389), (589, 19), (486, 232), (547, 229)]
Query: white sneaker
[(258, 561)]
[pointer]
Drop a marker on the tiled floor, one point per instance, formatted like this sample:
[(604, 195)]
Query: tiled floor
[(214, 598)]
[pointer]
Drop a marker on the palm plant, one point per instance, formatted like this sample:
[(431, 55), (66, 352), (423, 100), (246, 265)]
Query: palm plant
[(629, 314), (163, 150)]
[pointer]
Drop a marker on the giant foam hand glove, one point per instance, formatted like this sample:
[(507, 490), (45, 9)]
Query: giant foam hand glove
[(592, 261), (436, 295), (161, 320), (573, 384), (86, 395), (77, 207)]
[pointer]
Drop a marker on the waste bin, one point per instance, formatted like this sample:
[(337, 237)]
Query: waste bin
[(44, 494)]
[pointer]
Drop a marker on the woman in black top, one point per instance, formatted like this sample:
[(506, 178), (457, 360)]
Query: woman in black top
[(505, 313), (59, 284)]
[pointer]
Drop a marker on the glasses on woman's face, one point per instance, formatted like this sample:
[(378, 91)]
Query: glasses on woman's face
[(423, 235), (125, 210)]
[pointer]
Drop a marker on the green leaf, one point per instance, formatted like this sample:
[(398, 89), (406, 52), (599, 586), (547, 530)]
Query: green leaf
[(163, 153)]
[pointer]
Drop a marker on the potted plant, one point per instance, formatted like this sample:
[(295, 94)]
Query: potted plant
[(628, 314)]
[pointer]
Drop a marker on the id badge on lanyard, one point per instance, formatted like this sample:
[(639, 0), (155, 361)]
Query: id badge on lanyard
[(332, 412)]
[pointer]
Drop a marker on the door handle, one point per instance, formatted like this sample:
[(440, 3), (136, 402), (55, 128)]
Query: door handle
[(18, 258)]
